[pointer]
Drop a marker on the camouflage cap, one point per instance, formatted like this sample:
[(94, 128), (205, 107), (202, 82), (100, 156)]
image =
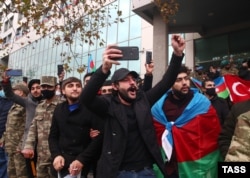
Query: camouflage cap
[(22, 88), (48, 80)]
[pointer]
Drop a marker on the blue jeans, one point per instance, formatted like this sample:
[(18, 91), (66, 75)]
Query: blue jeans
[(3, 163), (145, 173)]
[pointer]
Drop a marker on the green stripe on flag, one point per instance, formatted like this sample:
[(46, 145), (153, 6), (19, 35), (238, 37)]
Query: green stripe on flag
[(224, 94), (205, 167)]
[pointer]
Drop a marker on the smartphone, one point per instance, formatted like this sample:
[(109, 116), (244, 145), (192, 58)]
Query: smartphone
[(128, 52), (59, 69), (25, 79), (14, 72), (148, 57)]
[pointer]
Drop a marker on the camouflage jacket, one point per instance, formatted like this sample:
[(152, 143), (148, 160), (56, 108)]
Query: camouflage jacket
[(231, 71), (239, 150), (14, 128), (39, 130)]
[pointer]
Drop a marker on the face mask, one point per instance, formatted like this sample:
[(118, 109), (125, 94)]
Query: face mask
[(48, 94), (2, 94), (58, 93), (210, 91)]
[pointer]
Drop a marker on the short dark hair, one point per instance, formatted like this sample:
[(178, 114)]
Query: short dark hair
[(248, 62), (205, 81), (87, 75), (107, 83), (183, 69), (32, 82)]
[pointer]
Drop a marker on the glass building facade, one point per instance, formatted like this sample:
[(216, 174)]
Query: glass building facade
[(41, 57), (211, 51)]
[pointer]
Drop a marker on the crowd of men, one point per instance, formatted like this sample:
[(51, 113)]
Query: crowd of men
[(118, 128)]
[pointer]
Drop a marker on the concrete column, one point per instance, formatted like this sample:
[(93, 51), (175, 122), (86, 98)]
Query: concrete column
[(160, 46)]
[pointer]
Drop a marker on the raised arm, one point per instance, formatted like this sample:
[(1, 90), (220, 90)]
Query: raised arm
[(89, 94), (9, 92), (170, 75)]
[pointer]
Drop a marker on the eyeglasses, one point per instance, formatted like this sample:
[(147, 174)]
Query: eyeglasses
[(107, 90)]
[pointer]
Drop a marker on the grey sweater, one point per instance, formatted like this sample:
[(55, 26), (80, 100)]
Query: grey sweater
[(28, 103)]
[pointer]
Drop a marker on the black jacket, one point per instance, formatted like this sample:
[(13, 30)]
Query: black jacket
[(5, 105), (114, 143), (221, 107), (70, 136)]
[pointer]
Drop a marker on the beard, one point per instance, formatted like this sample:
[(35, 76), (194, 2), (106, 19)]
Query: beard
[(179, 94), (124, 94)]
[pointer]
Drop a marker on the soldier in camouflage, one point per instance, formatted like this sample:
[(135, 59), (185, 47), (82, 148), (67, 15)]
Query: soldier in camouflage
[(40, 127), (238, 115), (228, 68), (13, 136), (199, 73), (239, 150)]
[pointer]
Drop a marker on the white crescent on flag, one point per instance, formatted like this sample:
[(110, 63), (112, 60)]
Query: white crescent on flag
[(234, 88)]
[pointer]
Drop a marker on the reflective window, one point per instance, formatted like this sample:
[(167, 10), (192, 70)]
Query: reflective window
[(42, 56), (125, 7), (135, 27), (123, 30)]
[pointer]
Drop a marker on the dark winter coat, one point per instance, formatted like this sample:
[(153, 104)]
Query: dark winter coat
[(115, 125), (70, 136)]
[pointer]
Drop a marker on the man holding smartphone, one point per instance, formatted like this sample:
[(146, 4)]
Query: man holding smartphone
[(129, 146), (29, 103)]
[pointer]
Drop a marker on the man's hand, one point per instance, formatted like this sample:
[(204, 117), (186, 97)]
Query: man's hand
[(61, 76), (94, 133), (149, 68), (28, 153), (109, 57), (5, 77), (75, 168), (58, 163), (178, 44)]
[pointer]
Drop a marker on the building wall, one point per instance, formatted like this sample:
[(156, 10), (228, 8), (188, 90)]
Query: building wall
[(41, 56)]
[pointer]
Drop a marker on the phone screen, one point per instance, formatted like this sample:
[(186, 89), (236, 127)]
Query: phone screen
[(14, 72), (148, 57), (59, 69)]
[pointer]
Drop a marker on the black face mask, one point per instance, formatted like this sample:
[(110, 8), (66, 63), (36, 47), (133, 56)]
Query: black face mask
[(210, 91), (48, 94)]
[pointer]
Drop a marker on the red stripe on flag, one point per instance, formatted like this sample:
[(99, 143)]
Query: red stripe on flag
[(92, 65), (221, 88), (198, 137)]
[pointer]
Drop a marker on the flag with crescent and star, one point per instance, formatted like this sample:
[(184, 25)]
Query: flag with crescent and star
[(239, 89)]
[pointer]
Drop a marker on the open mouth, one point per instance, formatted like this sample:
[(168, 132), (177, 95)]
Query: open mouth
[(132, 90)]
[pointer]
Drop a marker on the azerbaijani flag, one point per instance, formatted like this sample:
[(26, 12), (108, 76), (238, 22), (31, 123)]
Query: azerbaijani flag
[(221, 88), (193, 135), (196, 82), (91, 65)]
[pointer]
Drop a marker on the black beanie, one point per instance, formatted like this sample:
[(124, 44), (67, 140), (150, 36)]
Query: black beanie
[(33, 81)]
